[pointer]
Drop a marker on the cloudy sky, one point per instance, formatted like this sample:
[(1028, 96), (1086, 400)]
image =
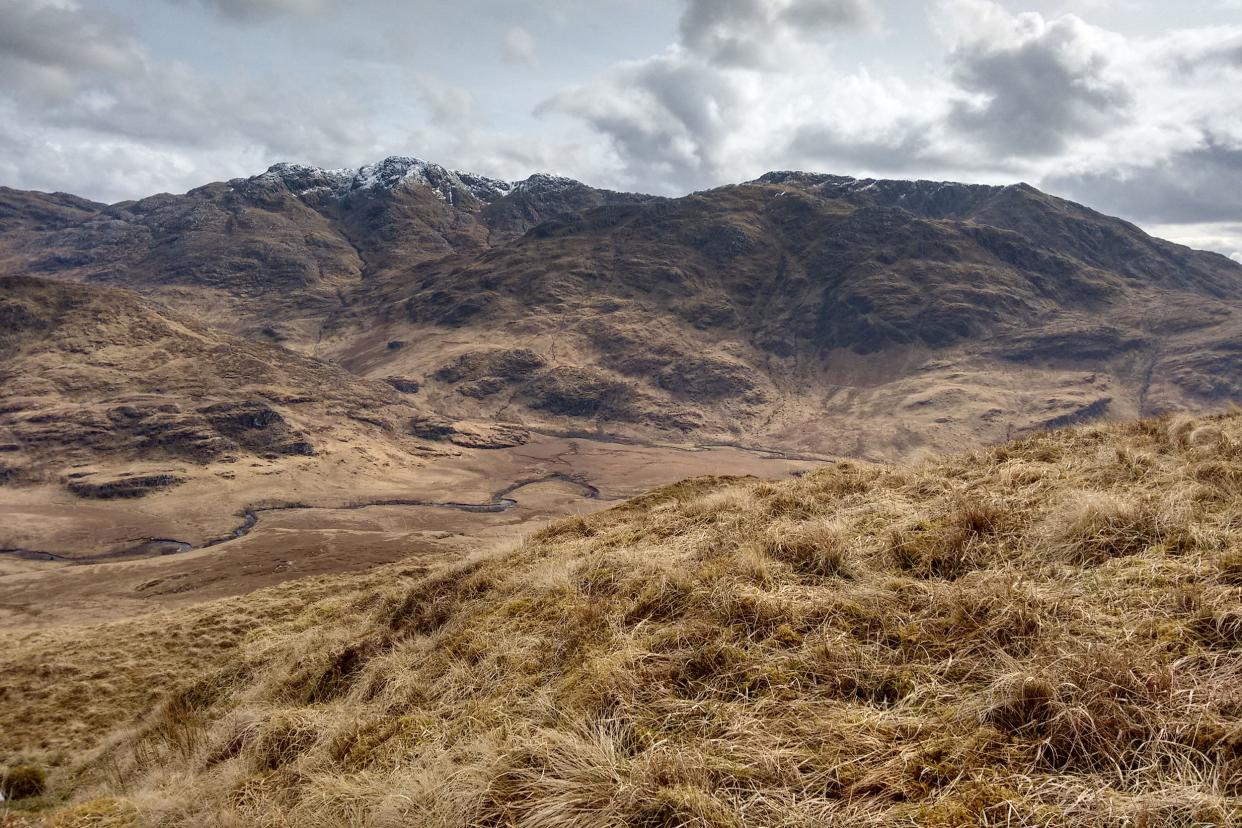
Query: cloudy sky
[(1131, 106)]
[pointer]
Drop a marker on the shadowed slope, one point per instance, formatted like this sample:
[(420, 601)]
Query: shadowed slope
[(273, 254), (873, 318)]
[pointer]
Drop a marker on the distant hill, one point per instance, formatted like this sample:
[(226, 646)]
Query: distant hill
[(279, 250), (872, 318)]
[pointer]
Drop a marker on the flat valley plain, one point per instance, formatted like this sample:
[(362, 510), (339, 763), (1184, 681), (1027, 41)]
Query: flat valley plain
[(316, 517)]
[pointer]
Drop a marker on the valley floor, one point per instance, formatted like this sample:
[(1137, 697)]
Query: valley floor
[(563, 476)]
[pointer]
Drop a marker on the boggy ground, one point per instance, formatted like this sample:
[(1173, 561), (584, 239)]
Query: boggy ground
[(1046, 633)]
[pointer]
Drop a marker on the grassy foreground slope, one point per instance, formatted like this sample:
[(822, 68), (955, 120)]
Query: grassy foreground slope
[(1044, 633)]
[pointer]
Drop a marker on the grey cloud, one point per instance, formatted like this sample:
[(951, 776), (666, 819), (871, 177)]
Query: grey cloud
[(907, 146), (249, 11), (446, 104), (1037, 93), (746, 33), (822, 15), (731, 32), (78, 78), (1228, 53), (665, 116), (1198, 185), (163, 104), (45, 50), (1200, 51)]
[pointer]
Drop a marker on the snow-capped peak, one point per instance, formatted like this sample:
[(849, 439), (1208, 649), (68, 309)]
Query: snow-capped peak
[(397, 171)]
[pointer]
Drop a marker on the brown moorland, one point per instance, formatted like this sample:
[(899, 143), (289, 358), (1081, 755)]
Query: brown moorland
[(1042, 633)]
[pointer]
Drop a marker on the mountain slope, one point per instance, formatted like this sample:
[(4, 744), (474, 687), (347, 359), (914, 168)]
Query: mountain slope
[(800, 311), (810, 311), (277, 251), (1044, 633), (94, 379)]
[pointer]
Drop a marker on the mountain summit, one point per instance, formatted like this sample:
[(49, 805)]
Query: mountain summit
[(402, 170)]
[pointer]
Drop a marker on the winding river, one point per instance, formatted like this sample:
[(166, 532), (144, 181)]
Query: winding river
[(155, 547)]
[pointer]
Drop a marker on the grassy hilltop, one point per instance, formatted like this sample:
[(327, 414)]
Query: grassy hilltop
[(1048, 632)]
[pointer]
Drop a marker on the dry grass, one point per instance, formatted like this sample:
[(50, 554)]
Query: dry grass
[(1048, 633)]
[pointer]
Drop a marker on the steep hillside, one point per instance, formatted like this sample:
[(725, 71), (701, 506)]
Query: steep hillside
[(873, 318), (111, 397), (273, 253), (1043, 633)]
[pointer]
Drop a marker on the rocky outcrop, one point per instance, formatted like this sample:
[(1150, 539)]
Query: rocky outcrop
[(488, 435), (101, 487), (405, 386), (477, 435), (504, 364), (1091, 411), (256, 427)]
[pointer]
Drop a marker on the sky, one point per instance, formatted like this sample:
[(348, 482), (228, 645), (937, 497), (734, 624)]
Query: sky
[(1133, 107)]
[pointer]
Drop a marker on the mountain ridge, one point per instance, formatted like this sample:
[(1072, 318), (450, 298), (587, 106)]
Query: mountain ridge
[(798, 307)]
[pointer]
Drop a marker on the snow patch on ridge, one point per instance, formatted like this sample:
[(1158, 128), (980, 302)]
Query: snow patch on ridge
[(396, 171)]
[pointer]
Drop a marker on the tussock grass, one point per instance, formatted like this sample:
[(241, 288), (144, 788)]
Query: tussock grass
[(1048, 633), (22, 781)]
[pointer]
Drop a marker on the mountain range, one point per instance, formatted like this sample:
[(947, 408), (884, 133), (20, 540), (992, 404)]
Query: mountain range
[(800, 311)]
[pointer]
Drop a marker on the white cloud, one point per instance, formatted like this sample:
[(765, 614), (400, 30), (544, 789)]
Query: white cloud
[(748, 83), (1031, 85), (1223, 237)]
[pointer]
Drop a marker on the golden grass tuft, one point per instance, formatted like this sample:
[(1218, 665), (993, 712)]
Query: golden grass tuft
[(104, 812), (816, 549), (1091, 527), (1045, 634)]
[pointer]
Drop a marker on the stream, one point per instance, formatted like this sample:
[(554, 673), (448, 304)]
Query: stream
[(157, 547)]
